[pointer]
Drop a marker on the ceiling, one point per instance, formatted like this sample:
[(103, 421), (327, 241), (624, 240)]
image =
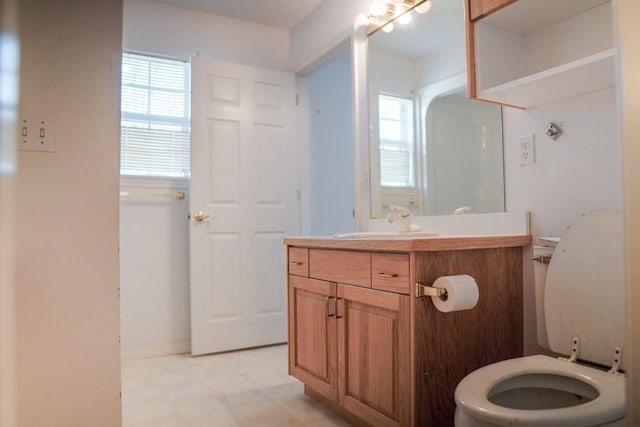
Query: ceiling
[(442, 26), (277, 13)]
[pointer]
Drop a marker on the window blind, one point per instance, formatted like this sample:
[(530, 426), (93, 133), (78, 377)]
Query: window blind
[(395, 127), (155, 117)]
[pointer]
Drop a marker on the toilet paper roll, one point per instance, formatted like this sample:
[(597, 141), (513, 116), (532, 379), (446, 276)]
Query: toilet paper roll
[(462, 293)]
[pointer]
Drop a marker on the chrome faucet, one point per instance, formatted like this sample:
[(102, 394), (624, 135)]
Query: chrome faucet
[(402, 216)]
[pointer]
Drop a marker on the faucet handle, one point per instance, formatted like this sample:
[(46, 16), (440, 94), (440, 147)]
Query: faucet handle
[(402, 217), (404, 212)]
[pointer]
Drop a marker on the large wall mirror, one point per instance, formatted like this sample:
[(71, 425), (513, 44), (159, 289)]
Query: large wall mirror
[(428, 147)]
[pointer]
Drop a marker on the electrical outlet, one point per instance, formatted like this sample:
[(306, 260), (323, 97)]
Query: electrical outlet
[(526, 144)]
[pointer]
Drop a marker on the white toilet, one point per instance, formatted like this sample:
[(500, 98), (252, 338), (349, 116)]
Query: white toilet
[(584, 315)]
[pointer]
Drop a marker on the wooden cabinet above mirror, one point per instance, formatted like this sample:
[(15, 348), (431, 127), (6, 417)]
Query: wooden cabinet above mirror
[(481, 8), (532, 52)]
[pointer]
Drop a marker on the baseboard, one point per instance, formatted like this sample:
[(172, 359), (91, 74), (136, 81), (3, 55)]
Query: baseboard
[(154, 350)]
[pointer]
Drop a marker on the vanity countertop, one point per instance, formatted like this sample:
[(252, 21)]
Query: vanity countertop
[(435, 243)]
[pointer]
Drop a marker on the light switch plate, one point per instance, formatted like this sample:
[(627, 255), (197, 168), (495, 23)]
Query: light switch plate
[(36, 135)]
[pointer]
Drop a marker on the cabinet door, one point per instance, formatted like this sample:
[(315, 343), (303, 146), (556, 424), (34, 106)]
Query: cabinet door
[(312, 334), (374, 355)]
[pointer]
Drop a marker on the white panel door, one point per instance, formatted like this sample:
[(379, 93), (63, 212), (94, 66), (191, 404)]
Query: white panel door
[(244, 180)]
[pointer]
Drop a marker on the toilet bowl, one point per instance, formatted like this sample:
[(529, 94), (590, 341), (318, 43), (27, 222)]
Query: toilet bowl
[(584, 316), (540, 391)]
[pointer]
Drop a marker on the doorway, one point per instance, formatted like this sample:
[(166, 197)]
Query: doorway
[(214, 282)]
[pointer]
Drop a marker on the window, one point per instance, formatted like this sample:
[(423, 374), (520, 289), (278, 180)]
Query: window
[(395, 126), (155, 120)]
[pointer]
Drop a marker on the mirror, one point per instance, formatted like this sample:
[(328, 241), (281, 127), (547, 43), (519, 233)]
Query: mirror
[(430, 148)]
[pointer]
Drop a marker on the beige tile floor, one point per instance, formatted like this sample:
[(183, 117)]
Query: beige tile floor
[(237, 389)]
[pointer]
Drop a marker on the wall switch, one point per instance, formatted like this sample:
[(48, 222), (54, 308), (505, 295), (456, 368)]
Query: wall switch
[(37, 135), (526, 144)]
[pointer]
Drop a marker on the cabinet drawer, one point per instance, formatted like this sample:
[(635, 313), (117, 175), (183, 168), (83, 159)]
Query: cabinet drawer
[(390, 272), (299, 261), (353, 268)]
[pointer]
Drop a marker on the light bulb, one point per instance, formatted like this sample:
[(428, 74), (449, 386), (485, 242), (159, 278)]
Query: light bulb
[(377, 9), (405, 19), (388, 28), (424, 7)]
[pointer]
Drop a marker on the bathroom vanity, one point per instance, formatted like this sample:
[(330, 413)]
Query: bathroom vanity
[(362, 340)]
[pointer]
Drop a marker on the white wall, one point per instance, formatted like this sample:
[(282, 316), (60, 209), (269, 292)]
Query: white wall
[(330, 151), (154, 269), (579, 172), (151, 27), (442, 64), (391, 73), (67, 314), (317, 36)]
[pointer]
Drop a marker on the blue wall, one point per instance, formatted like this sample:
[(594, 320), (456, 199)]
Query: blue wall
[(331, 151)]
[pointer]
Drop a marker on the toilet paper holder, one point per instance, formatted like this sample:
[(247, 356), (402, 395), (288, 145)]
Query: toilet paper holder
[(430, 291)]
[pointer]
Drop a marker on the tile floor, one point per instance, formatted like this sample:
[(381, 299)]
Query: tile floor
[(237, 389)]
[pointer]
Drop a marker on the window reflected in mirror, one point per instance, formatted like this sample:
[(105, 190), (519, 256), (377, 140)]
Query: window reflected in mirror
[(395, 136)]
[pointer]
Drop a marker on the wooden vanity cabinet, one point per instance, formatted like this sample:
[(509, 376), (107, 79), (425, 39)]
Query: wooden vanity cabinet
[(313, 339), (373, 354), (349, 345), (364, 344)]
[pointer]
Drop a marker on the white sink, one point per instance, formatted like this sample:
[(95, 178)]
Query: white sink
[(385, 235)]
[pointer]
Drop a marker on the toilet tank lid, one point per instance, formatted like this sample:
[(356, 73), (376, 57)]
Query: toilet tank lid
[(584, 288)]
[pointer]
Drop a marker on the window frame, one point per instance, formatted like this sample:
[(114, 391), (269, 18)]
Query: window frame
[(408, 128), (158, 120)]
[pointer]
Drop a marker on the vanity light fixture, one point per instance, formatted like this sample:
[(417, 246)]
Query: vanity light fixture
[(423, 7), (378, 9), (362, 20), (405, 18), (382, 15)]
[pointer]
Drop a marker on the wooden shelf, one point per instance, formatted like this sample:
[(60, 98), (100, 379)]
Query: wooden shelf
[(528, 16), (582, 76), (570, 41)]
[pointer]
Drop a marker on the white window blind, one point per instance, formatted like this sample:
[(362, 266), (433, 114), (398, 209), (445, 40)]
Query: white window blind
[(395, 126), (155, 120)]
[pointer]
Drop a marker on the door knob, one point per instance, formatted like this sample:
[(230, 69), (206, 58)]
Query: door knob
[(200, 216)]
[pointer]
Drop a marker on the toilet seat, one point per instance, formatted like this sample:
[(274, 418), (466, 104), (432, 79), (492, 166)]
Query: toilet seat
[(472, 394)]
